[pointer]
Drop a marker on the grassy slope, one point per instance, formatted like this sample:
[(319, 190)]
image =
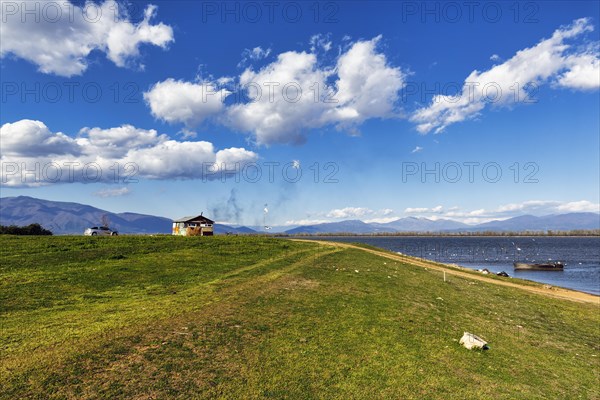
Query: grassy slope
[(243, 317)]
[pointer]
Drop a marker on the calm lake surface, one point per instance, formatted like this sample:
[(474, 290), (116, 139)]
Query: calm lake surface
[(581, 255)]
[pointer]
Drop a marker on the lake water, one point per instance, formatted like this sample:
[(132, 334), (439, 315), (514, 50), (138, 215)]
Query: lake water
[(581, 255)]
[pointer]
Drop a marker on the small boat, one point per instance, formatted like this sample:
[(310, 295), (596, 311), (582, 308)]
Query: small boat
[(553, 266)]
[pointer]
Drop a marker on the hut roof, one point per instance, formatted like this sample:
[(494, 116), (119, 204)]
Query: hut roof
[(198, 218)]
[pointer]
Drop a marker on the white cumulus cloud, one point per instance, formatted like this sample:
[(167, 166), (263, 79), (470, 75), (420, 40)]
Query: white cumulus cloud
[(33, 139), (185, 102), (366, 214), (424, 210), (295, 222), (320, 42), (116, 142), (551, 60), (254, 54), (116, 192), (284, 99), (367, 87), (529, 205), (583, 72), (283, 104), (579, 206), (58, 36), (349, 212), (108, 155)]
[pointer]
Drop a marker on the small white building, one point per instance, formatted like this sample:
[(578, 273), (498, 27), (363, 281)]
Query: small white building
[(193, 226)]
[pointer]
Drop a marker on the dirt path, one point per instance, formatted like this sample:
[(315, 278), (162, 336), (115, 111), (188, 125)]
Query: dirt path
[(551, 291)]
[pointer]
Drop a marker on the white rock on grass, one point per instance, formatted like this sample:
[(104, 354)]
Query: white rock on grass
[(471, 341)]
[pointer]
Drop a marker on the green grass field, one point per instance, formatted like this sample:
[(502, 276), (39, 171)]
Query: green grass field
[(255, 317)]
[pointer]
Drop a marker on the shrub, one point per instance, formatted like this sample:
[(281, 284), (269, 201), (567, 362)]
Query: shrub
[(32, 229)]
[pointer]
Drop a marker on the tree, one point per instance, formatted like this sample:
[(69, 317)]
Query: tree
[(105, 221), (33, 229)]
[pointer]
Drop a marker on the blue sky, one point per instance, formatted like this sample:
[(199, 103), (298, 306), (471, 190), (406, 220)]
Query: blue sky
[(164, 91)]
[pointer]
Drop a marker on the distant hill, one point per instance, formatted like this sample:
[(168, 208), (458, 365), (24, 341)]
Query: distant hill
[(409, 224), (350, 226), (555, 222), (413, 224), (221, 229), (73, 218), (560, 222)]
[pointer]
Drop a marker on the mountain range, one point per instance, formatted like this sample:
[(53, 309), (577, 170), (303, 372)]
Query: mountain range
[(72, 218), (69, 218), (555, 222)]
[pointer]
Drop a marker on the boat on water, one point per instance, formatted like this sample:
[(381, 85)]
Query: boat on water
[(553, 266)]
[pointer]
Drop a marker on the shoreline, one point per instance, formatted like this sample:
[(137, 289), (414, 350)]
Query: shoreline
[(325, 235), (464, 272), (435, 249), (521, 279)]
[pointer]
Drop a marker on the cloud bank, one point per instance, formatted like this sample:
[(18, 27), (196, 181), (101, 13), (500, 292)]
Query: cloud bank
[(505, 211), (110, 155)]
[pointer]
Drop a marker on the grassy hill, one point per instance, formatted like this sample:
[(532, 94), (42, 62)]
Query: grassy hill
[(257, 317)]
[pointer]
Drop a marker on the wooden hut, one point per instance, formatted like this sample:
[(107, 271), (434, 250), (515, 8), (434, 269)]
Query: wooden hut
[(193, 226)]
